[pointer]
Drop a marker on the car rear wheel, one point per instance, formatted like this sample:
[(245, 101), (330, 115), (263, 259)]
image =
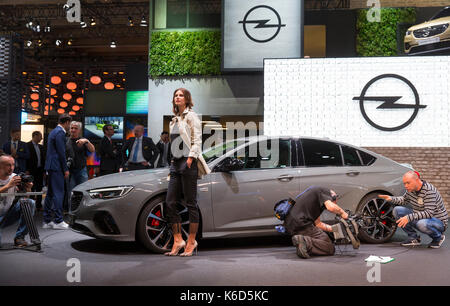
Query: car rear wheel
[(153, 229), (379, 222)]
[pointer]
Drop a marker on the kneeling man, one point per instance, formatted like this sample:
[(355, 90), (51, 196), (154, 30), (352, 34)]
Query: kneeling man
[(427, 215), (303, 221)]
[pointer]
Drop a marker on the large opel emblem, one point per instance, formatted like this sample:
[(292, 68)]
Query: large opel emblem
[(390, 102), (266, 21)]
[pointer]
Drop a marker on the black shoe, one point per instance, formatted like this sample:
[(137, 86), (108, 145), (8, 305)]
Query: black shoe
[(300, 243), (19, 242), (436, 244), (411, 242)]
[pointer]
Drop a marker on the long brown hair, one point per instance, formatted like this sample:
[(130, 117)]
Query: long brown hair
[(187, 99)]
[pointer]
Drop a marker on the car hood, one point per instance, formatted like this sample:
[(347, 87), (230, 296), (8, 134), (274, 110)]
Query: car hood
[(132, 178), (430, 23)]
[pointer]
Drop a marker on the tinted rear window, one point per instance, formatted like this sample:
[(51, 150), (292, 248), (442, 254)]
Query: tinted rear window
[(320, 153), (367, 159), (351, 157)]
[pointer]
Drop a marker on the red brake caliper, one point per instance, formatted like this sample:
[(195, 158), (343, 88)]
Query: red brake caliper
[(155, 222)]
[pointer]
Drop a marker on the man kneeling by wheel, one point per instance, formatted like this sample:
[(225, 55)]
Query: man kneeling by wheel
[(303, 221)]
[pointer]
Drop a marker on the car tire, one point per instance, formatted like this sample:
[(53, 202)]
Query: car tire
[(153, 230), (379, 222)]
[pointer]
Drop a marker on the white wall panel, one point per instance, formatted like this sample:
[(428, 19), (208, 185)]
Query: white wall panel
[(314, 97)]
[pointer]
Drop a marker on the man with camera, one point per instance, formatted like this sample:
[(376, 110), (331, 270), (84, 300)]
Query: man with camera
[(303, 221), (77, 149), (10, 211)]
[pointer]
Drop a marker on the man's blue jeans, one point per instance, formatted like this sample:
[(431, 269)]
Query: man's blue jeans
[(76, 178), (14, 215), (432, 227)]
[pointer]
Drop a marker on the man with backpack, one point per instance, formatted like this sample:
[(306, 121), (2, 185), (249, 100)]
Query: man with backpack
[(304, 224)]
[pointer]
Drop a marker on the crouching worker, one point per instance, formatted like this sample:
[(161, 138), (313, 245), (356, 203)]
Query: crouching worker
[(427, 213), (10, 210), (303, 221)]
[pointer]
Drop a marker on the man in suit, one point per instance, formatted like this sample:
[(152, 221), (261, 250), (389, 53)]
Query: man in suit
[(57, 173), (142, 151), (109, 155), (165, 154), (18, 150), (35, 164)]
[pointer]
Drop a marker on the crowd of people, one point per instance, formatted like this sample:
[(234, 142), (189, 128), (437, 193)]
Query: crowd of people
[(62, 165)]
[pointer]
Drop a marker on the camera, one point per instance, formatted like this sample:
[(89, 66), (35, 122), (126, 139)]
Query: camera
[(25, 179), (69, 162)]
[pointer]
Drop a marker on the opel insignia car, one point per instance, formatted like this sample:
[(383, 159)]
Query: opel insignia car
[(237, 198), (429, 36)]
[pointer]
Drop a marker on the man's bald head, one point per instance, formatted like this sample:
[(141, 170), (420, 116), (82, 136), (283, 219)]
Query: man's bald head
[(412, 181), (6, 165)]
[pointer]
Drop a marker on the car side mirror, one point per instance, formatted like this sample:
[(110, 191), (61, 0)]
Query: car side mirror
[(229, 164)]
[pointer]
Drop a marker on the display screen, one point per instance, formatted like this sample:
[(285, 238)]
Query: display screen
[(131, 122), (93, 127), (137, 102), (104, 102)]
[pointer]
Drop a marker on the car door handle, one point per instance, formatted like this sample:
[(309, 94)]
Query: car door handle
[(285, 178), (352, 173)]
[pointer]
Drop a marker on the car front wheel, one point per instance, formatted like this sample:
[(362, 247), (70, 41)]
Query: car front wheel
[(153, 229), (379, 223)]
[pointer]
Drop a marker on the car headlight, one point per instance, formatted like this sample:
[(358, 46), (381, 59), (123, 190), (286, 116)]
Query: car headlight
[(408, 33), (110, 192)]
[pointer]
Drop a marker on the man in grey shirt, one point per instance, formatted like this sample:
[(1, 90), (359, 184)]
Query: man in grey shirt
[(427, 215), (10, 211)]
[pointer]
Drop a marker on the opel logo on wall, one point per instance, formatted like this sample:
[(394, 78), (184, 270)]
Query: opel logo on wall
[(267, 23), (400, 84)]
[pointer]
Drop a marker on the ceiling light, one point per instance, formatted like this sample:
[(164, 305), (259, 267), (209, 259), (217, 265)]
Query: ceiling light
[(29, 43), (70, 42), (143, 22), (47, 28), (83, 24), (130, 22), (58, 42), (113, 44), (29, 24), (93, 23)]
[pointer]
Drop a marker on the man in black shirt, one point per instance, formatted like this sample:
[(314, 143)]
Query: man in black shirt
[(303, 221), (76, 150)]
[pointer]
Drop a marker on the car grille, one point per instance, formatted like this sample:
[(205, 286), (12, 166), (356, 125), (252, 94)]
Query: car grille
[(430, 48), (430, 31), (75, 200)]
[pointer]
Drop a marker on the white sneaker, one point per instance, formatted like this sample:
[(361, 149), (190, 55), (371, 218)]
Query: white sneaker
[(48, 225), (61, 226)]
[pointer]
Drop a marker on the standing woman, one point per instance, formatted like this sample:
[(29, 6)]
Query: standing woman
[(186, 167)]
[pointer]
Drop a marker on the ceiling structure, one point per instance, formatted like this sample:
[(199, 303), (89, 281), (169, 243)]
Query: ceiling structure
[(115, 20)]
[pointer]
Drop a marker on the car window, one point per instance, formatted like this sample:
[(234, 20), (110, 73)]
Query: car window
[(219, 150), (261, 156), (318, 153), (351, 157), (444, 13), (366, 158)]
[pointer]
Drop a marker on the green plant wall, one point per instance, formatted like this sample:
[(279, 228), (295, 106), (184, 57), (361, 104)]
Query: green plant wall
[(184, 53), (380, 38)]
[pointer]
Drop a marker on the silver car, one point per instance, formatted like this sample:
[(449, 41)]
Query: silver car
[(237, 198)]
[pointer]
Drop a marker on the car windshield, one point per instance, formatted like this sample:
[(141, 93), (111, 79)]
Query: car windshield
[(212, 153), (443, 13)]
